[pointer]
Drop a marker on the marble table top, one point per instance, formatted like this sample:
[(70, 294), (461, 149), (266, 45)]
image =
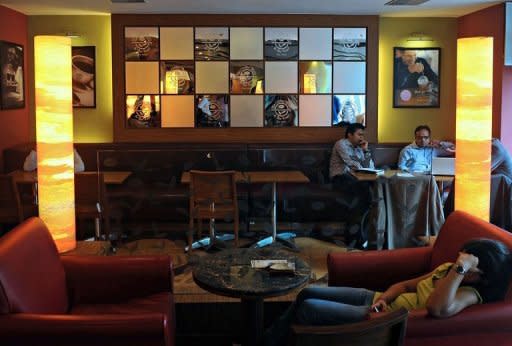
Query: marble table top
[(229, 273)]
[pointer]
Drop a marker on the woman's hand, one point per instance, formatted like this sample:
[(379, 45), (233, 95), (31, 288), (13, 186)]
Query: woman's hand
[(468, 261), (379, 306)]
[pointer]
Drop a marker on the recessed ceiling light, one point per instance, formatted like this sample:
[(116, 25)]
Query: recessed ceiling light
[(405, 2), (127, 1)]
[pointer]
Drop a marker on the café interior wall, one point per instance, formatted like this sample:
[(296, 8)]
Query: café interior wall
[(15, 127), (91, 125), (394, 124), (397, 124)]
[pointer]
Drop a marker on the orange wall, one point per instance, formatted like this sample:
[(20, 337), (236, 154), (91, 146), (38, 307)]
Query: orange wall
[(14, 128)]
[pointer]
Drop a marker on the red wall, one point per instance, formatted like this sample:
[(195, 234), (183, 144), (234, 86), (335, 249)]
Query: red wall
[(489, 22), (14, 124)]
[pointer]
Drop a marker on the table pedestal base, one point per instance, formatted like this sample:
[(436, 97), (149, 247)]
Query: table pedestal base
[(252, 314)]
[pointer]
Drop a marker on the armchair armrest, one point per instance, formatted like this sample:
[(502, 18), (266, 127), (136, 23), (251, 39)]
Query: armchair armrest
[(38, 329), (377, 270), (481, 318), (100, 279)]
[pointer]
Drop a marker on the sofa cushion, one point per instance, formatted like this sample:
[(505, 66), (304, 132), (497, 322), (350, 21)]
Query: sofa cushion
[(450, 239), (24, 287)]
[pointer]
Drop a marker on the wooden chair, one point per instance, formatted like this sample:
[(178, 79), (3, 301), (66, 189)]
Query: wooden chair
[(12, 210), (382, 330), (213, 195), (91, 201)]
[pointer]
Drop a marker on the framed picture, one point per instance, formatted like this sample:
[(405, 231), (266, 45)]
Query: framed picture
[(416, 77), (12, 85), (84, 76), (141, 43), (211, 44)]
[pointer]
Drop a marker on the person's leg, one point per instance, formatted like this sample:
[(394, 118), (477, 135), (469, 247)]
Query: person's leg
[(278, 332), (346, 295), (324, 312), (332, 305)]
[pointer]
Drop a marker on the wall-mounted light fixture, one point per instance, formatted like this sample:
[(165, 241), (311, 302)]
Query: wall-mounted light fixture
[(474, 125), (419, 37), (54, 134)]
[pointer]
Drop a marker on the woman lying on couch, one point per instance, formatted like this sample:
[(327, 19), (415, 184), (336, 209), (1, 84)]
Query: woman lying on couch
[(480, 274)]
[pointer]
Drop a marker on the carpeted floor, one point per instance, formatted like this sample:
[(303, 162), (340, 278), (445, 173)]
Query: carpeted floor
[(313, 251)]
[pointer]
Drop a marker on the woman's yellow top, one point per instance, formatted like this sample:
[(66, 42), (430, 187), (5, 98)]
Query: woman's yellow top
[(418, 299)]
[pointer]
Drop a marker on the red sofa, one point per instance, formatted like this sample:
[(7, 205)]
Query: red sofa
[(47, 299), (485, 324)]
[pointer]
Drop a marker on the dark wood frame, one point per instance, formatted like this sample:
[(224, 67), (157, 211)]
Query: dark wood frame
[(239, 135), (91, 50), (3, 51), (436, 105)]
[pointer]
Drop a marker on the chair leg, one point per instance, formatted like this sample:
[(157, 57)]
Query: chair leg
[(190, 234), (199, 228), (212, 231), (236, 229), (97, 228)]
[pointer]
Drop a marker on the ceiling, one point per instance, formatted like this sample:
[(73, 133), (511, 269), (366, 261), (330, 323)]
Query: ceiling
[(432, 8)]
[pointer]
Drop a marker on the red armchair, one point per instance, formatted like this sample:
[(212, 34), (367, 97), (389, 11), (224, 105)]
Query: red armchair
[(485, 324), (46, 299)]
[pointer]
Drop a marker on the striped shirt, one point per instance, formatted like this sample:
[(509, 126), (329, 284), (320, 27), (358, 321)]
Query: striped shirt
[(346, 156)]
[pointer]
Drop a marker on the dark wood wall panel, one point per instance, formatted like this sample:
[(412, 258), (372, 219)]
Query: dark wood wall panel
[(240, 135)]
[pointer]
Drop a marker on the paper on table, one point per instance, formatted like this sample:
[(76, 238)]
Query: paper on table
[(404, 175), (259, 264)]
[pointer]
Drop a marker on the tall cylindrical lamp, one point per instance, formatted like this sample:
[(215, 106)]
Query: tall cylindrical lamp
[(474, 125), (54, 133)]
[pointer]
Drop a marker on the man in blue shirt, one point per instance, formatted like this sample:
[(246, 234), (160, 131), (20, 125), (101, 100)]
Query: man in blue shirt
[(417, 156)]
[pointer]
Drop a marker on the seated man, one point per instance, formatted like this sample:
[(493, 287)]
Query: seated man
[(348, 154), (417, 156), (30, 163), (501, 161)]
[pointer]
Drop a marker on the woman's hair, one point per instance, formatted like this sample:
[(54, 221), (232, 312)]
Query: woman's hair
[(494, 260)]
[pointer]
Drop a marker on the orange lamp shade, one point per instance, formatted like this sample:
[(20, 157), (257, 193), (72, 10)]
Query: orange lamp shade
[(474, 125), (54, 134)]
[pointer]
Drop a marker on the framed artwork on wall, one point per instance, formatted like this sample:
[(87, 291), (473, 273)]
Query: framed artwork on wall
[(416, 77), (12, 80), (83, 60)]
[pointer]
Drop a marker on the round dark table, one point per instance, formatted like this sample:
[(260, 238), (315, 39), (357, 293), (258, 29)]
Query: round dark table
[(229, 273)]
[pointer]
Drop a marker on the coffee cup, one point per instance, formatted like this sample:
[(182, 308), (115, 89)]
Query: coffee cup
[(83, 69)]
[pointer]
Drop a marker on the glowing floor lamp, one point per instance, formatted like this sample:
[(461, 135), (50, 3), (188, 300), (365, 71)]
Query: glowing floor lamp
[(54, 133), (474, 125)]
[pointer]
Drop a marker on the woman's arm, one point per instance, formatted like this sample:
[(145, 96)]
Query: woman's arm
[(448, 298), (397, 289)]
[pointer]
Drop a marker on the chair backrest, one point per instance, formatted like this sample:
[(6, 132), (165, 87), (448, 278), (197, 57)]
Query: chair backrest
[(217, 187), (32, 278), (385, 330), (10, 203), (459, 228), (90, 189)]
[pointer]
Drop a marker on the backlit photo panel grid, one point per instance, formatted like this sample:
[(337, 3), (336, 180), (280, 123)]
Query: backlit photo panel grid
[(210, 76)]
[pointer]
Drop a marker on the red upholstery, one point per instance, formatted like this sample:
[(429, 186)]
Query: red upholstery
[(50, 300), (32, 279), (484, 324)]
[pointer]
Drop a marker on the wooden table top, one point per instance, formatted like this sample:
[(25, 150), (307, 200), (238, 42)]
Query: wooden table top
[(391, 172), (111, 177), (262, 177)]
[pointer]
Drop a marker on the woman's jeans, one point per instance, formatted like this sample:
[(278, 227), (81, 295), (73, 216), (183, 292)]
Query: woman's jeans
[(321, 306)]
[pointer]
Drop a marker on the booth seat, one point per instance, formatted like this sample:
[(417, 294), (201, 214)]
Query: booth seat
[(484, 324), (154, 191)]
